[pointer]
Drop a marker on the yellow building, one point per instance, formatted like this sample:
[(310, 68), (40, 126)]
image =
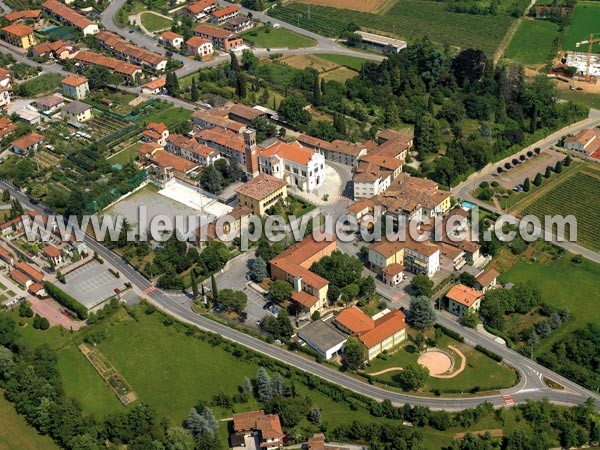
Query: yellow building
[(19, 35), (384, 252), (262, 192)]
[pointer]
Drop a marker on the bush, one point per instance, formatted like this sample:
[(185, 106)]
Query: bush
[(495, 184), (44, 324), (489, 353), (450, 333), (484, 185), (66, 300)]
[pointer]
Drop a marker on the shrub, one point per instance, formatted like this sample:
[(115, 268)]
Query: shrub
[(484, 184), (66, 300), (44, 324), (489, 353), (495, 184), (450, 333)]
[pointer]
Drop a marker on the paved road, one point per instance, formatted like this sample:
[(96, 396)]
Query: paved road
[(179, 305), (324, 45), (464, 189)]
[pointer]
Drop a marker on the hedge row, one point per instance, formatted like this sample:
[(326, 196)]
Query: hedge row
[(66, 300), (509, 342), (491, 354), (451, 333)]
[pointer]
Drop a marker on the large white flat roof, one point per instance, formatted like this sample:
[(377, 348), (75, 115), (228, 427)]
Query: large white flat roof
[(384, 40), (194, 198)]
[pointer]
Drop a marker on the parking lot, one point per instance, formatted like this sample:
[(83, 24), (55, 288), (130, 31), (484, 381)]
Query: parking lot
[(529, 169), (91, 284)]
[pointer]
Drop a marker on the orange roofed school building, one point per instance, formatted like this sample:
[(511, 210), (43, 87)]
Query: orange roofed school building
[(462, 299), (293, 264), (384, 333), (264, 429)]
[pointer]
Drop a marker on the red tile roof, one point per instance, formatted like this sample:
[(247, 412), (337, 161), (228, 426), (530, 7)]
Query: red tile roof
[(197, 41), (74, 80), (18, 29), (213, 32), (304, 298), (393, 269), (487, 277), (19, 276), (464, 295), (371, 332), (24, 14), (166, 159), (201, 6), (225, 11), (292, 152), (170, 35), (261, 187), (6, 126), (157, 84), (67, 13), (34, 274), (28, 140), (51, 251), (355, 320), (110, 63)]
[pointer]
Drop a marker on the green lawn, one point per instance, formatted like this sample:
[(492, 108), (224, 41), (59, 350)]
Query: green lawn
[(46, 83), (481, 370), (562, 284), (585, 98), (269, 37), (533, 42), (170, 117), (351, 62), (409, 19), (586, 20), (153, 22), (15, 434), (126, 155)]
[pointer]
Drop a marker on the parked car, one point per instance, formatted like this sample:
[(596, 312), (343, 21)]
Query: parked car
[(268, 305)]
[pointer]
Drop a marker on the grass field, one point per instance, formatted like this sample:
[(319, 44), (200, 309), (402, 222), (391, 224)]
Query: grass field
[(126, 155), (351, 62), (409, 19), (15, 434), (480, 370), (575, 194), (533, 42), (585, 98), (586, 20), (153, 22), (561, 290), (170, 117), (269, 37)]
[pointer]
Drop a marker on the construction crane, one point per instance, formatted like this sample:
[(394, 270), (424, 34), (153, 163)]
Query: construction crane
[(590, 41)]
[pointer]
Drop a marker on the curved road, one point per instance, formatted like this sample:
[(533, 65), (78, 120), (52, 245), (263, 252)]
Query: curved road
[(324, 45), (178, 305)]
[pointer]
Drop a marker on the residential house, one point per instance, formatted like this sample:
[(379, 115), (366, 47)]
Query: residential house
[(472, 249), (415, 256), (462, 298), (220, 16), (54, 254), (163, 166), (6, 128), (27, 15), (369, 180), (27, 143), (226, 142), (19, 35), (292, 265), (5, 87), (30, 272), (453, 256), (586, 141), (384, 333), (488, 279), (77, 111), (394, 136), (22, 279), (199, 11), (262, 192), (266, 428), (60, 50), (156, 86), (422, 258), (216, 118), (199, 46), (393, 274), (239, 24), (339, 151), (190, 149), (6, 257), (75, 86), (38, 290), (156, 132), (131, 72), (317, 442), (171, 39), (122, 49), (297, 165), (245, 114), (323, 338), (69, 17), (49, 103), (219, 37)]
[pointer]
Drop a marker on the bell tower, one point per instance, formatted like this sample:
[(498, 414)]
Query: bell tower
[(251, 152)]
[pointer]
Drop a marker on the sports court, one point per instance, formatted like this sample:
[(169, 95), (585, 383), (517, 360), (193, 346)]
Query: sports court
[(91, 284)]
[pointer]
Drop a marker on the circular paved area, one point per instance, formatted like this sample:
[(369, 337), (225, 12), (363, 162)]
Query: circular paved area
[(437, 362)]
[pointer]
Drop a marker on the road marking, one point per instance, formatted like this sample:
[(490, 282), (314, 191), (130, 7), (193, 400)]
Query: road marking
[(508, 400), (149, 290)]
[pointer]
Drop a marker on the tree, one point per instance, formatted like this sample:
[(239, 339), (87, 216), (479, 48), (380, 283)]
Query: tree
[(422, 313), (194, 91), (7, 362), (548, 172), (538, 180), (194, 283), (427, 135), (558, 167), (234, 64), (233, 301), (413, 377), (279, 327), (280, 290), (250, 61), (315, 416), (349, 292), (471, 319), (367, 287), (172, 84), (5, 195), (316, 96), (354, 353), (212, 180), (214, 289), (526, 185), (240, 85), (278, 386), (468, 280), (264, 390), (247, 386), (422, 285), (264, 128), (258, 272), (179, 439), (292, 110), (469, 66)]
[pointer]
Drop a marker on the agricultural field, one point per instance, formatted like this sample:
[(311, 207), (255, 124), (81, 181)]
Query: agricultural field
[(269, 37), (532, 44), (153, 22), (46, 83), (120, 100), (575, 194), (371, 6), (171, 117), (408, 19), (586, 20), (351, 62), (283, 70)]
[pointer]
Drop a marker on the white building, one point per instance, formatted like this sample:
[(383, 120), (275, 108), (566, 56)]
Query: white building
[(5, 87), (422, 257), (369, 180), (297, 165)]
